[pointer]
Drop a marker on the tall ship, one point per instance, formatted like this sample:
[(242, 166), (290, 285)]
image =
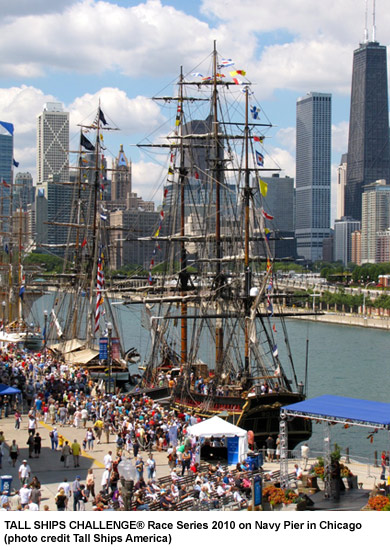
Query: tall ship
[(83, 329), (210, 297)]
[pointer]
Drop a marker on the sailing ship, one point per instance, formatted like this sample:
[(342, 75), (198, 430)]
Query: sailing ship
[(211, 298), (83, 329), (16, 306)]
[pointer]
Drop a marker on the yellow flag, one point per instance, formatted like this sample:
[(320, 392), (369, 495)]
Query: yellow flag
[(263, 187)]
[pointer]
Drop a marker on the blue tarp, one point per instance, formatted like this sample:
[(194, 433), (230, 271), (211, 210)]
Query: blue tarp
[(343, 409), (8, 390)]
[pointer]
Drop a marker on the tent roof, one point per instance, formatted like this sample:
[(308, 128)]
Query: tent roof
[(343, 409), (8, 390), (217, 427), (81, 357), (68, 346)]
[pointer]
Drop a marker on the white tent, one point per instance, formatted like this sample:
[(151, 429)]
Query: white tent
[(216, 427)]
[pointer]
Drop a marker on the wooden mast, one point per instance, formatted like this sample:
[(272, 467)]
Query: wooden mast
[(248, 274), (217, 180)]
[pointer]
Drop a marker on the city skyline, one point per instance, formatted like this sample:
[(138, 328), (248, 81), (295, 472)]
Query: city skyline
[(76, 52)]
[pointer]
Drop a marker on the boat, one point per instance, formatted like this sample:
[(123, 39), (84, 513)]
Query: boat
[(83, 329), (16, 299), (211, 296)]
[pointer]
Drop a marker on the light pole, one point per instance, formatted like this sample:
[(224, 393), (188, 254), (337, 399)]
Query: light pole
[(127, 474), (45, 332), (109, 355), (364, 299), (3, 304)]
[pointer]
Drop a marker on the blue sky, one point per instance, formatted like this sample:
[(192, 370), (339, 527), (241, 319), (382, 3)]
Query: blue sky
[(124, 52)]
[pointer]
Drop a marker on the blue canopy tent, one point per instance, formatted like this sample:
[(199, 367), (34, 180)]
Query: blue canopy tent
[(8, 390), (332, 409)]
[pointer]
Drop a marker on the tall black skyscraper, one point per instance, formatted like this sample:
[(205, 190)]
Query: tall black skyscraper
[(368, 144)]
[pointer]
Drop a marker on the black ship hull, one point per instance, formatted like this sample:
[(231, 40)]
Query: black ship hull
[(258, 413)]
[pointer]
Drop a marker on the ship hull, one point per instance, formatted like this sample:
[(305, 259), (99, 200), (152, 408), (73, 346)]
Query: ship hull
[(259, 413)]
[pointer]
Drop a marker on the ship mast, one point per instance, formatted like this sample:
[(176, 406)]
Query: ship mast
[(183, 275), (248, 273), (217, 179)]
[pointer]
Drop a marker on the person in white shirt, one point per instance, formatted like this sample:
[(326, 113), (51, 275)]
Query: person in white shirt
[(65, 485), (24, 494), (24, 472), (105, 479), (305, 455), (108, 460)]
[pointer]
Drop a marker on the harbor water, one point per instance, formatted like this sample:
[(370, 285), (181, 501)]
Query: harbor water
[(343, 360)]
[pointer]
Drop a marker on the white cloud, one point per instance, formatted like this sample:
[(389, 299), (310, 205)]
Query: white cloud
[(148, 180), (287, 138), (91, 37), (340, 137)]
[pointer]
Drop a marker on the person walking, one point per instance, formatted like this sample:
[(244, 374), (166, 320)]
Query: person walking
[(305, 455), (30, 443), (270, 448), (24, 473), (37, 445), (76, 490), (14, 452), (54, 439), (151, 465), (76, 451), (90, 482), (61, 500), (139, 466), (65, 454)]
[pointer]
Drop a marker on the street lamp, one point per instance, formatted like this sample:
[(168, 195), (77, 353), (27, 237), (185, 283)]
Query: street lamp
[(364, 299), (109, 354), (127, 474), (3, 304), (45, 331)]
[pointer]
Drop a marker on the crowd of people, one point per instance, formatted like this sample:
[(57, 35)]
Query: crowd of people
[(63, 396)]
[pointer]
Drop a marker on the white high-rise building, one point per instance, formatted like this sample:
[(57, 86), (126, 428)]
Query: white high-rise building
[(341, 181), (312, 221), (375, 218), (53, 143)]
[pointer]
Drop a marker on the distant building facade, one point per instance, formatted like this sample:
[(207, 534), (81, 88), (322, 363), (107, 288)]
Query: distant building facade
[(343, 230), (6, 170), (53, 143), (313, 163), (279, 203), (368, 142), (341, 183), (121, 181), (375, 218), (356, 247)]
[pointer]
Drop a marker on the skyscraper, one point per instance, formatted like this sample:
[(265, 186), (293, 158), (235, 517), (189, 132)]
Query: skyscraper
[(6, 163), (368, 142), (342, 242), (313, 174), (375, 218), (53, 143), (121, 180)]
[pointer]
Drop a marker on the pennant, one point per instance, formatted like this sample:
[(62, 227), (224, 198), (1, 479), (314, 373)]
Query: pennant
[(225, 63), (259, 158), (16, 164), (274, 328), (246, 90), (196, 175), (259, 139), (102, 118), (237, 81), (275, 352), (220, 75), (22, 287), (255, 111), (267, 216), (267, 233), (99, 297), (5, 183), (103, 217), (197, 75), (157, 233), (6, 249), (166, 191), (270, 307), (269, 265), (263, 187), (235, 73), (83, 243), (84, 142)]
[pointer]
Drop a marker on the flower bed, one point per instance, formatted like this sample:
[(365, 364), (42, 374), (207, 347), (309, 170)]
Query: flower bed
[(379, 503)]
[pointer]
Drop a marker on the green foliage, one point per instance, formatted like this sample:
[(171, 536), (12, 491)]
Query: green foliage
[(48, 262)]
